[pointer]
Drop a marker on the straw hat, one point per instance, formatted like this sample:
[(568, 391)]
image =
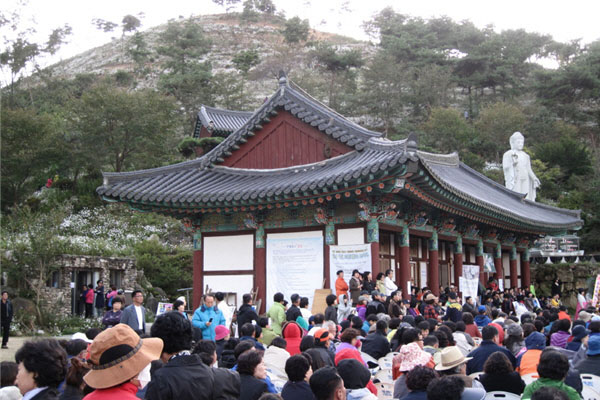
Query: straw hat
[(119, 354), (451, 357), (412, 356)]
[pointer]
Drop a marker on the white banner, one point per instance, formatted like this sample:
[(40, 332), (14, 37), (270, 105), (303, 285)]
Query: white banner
[(470, 271), (294, 265), (348, 258), (468, 287), (423, 271)]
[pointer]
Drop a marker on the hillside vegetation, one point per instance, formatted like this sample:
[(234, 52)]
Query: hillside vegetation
[(128, 104)]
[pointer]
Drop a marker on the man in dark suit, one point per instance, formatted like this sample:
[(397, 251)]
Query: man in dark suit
[(134, 315), (7, 316)]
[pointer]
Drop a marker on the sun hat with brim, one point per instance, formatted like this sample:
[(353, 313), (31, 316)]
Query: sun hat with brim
[(412, 356), (593, 346), (119, 354), (451, 357)]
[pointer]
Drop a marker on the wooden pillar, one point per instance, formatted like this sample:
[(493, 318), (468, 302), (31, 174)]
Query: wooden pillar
[(525, 270), (404, 272), (433, 270), (498, 265), (373, 238), (260, 266), (514, 275), (458, 261), (479, 259), (198, 275)]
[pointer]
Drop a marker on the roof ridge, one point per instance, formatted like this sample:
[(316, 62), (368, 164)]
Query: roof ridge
[(114, 177), (446, 159), (226, 110), (364, 130), (294, 168)]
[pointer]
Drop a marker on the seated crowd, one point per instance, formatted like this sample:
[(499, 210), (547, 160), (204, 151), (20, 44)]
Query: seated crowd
[(368, 340)]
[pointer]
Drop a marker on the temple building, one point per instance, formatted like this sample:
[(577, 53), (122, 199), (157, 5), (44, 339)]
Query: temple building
[(295, 180)]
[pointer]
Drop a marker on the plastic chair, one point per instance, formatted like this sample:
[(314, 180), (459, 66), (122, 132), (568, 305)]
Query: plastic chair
[(369, 360), (501, 395), (385, 376), (385, 391), (476, 375), (530, 378), (385, 362), (589, 394), (592, 381)]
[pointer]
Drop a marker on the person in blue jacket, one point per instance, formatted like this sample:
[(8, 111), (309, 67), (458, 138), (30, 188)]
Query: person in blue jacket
[(207, 317)]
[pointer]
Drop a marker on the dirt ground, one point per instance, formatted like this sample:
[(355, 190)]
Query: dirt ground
[(15, 342)]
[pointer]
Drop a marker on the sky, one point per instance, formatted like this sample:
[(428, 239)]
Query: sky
[(564, 20)]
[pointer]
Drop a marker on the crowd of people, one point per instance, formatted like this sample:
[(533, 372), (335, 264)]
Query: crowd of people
[(438, 347)]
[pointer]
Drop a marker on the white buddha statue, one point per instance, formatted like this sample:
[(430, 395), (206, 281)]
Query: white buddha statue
[(518, 175)]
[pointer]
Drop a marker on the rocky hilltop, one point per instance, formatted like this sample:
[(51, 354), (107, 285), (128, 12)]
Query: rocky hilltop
[(229, 35)]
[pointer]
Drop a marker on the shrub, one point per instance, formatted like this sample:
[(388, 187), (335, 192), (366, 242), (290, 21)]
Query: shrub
[(164, 267)]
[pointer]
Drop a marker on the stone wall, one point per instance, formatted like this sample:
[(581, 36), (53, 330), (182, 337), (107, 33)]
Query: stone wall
[(59, 299), (572, 276)]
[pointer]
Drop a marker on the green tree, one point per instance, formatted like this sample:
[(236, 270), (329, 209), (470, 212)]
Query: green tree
[(185, 75), (447, 130), (571, 156), (32, 152), (170, 270), (572, 91), (340, 65), (34, 243), (494, 127), (124, 129), (296, 30)]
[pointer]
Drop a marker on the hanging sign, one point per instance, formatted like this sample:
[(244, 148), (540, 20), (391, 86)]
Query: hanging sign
[(348, 258), (294, 265)]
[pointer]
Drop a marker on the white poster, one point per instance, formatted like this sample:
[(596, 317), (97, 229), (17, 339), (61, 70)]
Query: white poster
[(471, 271), (348, 258), (468, 287), (294, 265), (423, 269)]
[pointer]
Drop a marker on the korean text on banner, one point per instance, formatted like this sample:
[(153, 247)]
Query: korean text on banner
[(348, 258), (468, 287), (294, 265)]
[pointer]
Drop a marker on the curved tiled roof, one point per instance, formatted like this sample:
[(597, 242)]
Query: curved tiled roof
[(220, 120), (470, 185), (193, 184)]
